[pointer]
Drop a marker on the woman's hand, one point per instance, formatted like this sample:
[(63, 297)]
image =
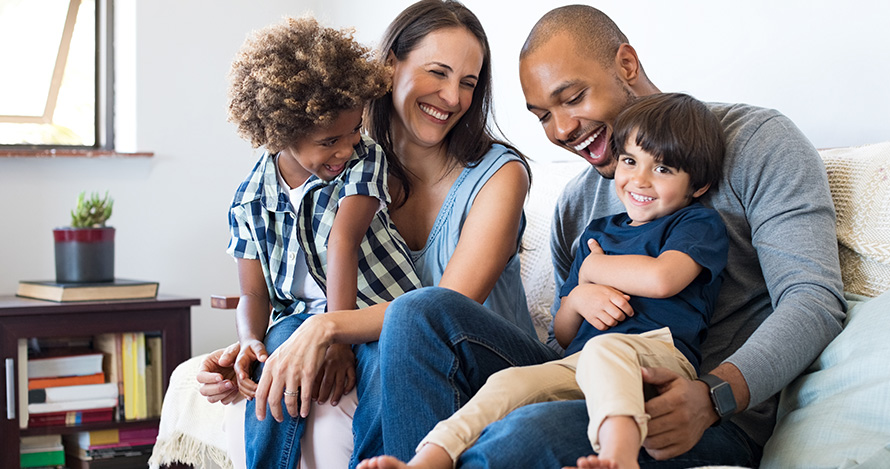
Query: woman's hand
[(338, 376), (294, 367), (217, 376)]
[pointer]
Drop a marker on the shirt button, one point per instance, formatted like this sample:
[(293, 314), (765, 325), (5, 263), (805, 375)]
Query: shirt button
[(291, 256)]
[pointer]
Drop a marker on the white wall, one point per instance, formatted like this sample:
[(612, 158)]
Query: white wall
[(823, 64)]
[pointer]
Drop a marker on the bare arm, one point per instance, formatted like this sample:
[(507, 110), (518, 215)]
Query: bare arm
[(489, 236), (251, 320), (652, 277), (353, 218), (486, 244)]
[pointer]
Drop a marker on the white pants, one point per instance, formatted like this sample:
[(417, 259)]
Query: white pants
[(327, 443)]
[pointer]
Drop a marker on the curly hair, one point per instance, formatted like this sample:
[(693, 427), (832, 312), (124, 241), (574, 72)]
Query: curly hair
[(290, 78)]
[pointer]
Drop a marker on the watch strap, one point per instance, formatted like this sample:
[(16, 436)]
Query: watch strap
[(722, 397)]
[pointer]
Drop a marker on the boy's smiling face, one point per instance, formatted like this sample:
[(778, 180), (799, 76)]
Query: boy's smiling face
[(324, 151), (648, 188)]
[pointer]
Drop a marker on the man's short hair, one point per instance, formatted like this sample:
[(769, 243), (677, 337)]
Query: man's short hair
[(595, 34)]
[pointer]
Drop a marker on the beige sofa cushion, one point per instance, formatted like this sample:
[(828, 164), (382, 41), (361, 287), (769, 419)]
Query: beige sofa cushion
[(548, 181), (860, 186)]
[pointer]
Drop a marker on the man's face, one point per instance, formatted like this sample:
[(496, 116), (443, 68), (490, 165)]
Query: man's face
[(575, 98)]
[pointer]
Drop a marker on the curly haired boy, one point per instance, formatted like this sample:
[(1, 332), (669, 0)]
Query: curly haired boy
[(310, 228)]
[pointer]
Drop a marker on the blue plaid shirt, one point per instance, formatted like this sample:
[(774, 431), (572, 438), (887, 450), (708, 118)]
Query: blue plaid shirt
[(265, 226)]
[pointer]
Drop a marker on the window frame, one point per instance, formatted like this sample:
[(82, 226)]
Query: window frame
[(104, 106)]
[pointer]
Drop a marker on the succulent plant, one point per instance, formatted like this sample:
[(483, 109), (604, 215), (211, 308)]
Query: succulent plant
[(91, 212)]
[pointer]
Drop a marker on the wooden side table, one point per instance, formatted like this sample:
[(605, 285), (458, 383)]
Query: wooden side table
[(27, 318)]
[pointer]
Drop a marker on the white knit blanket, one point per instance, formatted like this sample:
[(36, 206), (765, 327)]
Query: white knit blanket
[(191, 430)]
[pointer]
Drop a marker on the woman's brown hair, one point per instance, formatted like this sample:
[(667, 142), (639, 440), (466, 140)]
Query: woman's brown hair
[(473, 136)]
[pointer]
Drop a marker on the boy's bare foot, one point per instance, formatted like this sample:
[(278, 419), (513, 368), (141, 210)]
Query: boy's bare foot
[(430, 456), (593, 462), (620, 440), (381, 462)]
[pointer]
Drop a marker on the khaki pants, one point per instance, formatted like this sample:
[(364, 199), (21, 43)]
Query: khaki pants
[(606, 373)]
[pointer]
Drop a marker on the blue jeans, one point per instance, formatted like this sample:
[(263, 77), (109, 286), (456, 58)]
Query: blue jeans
[(270, 444), (438, 347), (554, 434), (368, 437)]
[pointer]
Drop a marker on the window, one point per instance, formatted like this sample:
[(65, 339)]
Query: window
[(56, 88)]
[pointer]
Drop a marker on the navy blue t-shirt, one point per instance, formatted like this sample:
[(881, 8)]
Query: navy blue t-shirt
[(696, 231)]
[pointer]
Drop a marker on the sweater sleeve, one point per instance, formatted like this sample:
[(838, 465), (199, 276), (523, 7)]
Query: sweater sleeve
[(781, 183)]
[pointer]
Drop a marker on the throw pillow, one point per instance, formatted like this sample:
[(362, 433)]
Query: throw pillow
[(859, 178), (837, 414)]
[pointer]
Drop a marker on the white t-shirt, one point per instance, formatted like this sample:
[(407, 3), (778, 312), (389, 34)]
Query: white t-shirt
[(307, 290)]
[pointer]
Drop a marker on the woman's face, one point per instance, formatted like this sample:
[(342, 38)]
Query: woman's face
[(433, 86)]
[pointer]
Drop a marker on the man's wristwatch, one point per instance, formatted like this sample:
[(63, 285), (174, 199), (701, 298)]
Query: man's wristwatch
[(721, 397)]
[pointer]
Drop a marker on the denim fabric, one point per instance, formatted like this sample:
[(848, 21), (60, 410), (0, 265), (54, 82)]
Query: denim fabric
[(554, 434), (439, 348), (368, 435), (270, 444)]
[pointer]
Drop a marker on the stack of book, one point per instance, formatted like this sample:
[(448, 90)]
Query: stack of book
[(69, 390), (119, 289), (110, 449), (133, 361), (41, 451)]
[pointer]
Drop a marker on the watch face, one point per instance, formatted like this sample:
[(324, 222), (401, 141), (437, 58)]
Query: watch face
[(723, 399)]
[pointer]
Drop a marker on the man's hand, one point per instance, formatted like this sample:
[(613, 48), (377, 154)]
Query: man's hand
[(680, 413), (217, 376)]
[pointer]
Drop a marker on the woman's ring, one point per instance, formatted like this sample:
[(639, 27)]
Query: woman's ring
[(291, 393)]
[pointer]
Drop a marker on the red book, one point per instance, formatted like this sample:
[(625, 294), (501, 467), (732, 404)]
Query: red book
[(128, 435), (70, 418), (43, 383)]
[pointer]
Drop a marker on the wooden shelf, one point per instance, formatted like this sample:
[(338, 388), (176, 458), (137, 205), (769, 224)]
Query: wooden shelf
[(27, 318)]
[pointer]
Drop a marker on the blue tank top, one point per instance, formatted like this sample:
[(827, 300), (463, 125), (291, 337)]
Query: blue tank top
[(507, 299)]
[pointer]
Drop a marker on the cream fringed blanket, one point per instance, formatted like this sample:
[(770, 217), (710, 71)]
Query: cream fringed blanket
[(191, 430)]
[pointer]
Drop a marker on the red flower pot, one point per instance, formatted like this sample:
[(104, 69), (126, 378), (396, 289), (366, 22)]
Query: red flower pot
[(84, 255)]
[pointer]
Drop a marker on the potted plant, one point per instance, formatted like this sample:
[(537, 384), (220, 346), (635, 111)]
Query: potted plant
[(85, 250)]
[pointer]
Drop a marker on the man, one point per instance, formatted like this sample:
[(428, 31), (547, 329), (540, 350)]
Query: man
[(781, 303)]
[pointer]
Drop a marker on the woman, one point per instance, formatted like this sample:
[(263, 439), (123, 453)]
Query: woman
[(458, 196)]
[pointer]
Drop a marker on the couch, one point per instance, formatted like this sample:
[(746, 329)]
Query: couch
[(835, 415)]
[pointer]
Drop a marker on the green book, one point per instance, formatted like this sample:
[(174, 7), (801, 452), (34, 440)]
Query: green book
[(43, 458)]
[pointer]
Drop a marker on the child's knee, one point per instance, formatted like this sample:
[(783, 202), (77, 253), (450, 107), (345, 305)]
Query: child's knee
[(605, 345)]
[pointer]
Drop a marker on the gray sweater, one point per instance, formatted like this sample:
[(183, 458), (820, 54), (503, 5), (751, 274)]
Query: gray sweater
[(782, 300)]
